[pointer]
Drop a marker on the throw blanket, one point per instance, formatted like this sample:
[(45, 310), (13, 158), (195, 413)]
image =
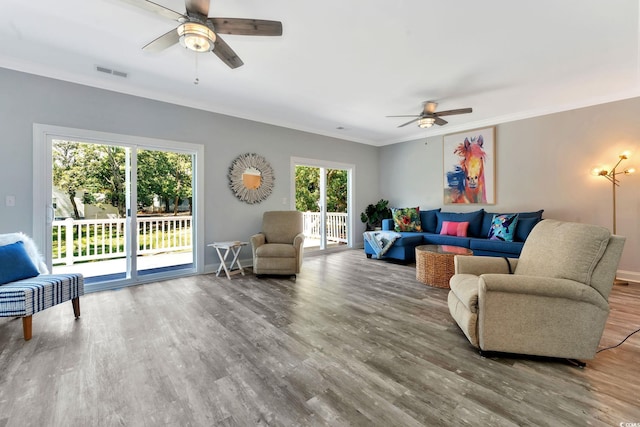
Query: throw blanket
[(381, 241)]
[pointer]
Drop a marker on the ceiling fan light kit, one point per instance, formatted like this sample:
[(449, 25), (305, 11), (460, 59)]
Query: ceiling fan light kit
[(426, 122), (196, 37)]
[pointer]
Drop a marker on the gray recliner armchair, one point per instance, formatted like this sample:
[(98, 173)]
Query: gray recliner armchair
[(278, 248), (554, 304)]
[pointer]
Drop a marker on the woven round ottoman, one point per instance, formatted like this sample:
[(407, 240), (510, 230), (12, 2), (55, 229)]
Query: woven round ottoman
[(434, 263)]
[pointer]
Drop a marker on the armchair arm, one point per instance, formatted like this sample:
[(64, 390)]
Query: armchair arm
[(478, 265), (257, 240), (541, 286), (298, 244)]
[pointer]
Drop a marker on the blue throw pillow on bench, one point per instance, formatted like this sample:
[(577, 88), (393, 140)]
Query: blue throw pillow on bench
[(473, 218), (15, 263)]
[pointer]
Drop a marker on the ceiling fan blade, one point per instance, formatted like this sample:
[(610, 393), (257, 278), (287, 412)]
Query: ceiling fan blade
[(409, 122), (224, 52), (247, 27), (164, 41), (430, 107), (440, 121), (453, 112), (197, 8), (412, 115), (155, 8)]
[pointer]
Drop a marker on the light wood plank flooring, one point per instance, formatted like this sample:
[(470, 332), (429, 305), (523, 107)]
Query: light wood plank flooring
[(353, 341)]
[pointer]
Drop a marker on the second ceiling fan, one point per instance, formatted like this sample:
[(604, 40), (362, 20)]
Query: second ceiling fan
[(430, 116), (200, 33)]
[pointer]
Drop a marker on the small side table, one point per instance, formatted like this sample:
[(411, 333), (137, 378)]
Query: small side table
[(434, 263), (229, 247)]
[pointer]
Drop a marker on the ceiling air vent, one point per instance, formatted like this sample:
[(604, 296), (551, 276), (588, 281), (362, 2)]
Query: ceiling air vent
[(110, 71)]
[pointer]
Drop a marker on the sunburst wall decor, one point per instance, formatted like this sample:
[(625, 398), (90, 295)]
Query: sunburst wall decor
[(251, 178)]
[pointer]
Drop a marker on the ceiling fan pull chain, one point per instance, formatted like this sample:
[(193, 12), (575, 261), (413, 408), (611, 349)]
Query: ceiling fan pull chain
[(197, 80)]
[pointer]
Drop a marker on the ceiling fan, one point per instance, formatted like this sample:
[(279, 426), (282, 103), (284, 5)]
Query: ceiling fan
[(430, 116), (200, 33)]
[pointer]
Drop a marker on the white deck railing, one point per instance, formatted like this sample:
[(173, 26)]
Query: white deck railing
[(101, 239), (336, 226)]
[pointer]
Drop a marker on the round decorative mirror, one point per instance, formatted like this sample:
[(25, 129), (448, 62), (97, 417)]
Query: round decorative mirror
[(251, 178)]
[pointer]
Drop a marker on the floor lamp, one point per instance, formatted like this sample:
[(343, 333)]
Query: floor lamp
[(615, 182)]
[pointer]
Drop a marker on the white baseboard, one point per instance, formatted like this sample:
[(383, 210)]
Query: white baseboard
[(629, 276)]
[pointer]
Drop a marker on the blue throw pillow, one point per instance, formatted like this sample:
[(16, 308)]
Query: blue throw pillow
[(525, 225), (488, 217), (503, 227), (15, 263), (473, 218), (429, 220)]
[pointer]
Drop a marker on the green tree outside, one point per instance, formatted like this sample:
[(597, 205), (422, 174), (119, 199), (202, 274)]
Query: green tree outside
[(308, 189), (100, 169)]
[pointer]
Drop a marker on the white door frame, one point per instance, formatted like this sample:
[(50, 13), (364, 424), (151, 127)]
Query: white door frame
[(43, 212), (351, 172)]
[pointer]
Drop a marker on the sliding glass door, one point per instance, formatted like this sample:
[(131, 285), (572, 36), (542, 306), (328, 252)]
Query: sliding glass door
[(119, 211), (322, 193)]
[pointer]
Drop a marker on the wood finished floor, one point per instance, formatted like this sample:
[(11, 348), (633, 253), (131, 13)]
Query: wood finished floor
[(352, 342)]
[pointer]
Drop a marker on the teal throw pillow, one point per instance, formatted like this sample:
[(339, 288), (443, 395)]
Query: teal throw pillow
[(15, 263), (503, 227), (406, 219)]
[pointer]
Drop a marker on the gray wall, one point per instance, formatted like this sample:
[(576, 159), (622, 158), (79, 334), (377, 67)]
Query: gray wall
[(541, 163), (27, 99)]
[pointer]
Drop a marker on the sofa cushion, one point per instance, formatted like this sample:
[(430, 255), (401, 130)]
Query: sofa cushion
[(429, 220), (473, 218), (15, 263), (409, 239), (440, 239), (276, 250), (563, 250), (503, 227), (488, 217), (451, 228), (406, 219), (486, 245), (524, 227)]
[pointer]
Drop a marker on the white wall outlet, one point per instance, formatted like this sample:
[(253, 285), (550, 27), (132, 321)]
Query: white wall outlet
[(10, 201), (284, 200)]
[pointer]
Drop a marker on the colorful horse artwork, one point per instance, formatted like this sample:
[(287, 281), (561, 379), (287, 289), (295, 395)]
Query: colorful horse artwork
[(467, 180)]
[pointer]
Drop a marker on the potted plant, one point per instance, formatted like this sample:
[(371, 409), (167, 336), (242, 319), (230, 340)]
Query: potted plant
[(374, 214)]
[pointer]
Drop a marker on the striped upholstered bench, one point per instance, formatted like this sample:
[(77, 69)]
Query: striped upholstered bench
[(26, 297)]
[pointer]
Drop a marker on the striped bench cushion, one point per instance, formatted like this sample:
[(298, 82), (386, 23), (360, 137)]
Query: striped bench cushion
[(29, 296)]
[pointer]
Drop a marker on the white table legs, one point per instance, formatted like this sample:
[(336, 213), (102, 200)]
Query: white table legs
[(235, 250)]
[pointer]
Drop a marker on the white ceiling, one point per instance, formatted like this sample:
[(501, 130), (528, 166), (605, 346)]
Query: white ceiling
[(347, 64)]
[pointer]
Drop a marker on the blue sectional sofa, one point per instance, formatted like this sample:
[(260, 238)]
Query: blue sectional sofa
[(479, 224)]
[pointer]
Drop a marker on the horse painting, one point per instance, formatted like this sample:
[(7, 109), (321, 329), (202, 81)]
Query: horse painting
[(471, 189)]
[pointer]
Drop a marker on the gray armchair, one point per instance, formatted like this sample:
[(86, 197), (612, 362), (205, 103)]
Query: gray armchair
[(555, 302), (278, 249)]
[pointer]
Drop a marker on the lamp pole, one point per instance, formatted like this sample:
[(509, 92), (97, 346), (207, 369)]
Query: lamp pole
[(611, 176)]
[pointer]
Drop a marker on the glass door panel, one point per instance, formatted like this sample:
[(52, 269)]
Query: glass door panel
[(164, 211), (307, 187), (336, 207), (89, 227)]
